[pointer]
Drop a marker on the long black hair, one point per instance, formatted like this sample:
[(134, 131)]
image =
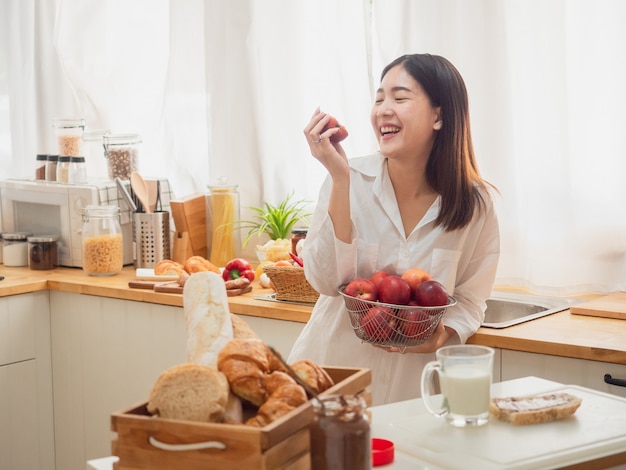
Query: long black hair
[(451, 169)]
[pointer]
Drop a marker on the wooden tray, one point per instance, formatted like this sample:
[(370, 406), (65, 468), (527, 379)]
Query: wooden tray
[(283, 444)]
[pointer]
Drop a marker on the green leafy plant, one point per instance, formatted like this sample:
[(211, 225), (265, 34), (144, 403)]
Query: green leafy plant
[(275, 221)]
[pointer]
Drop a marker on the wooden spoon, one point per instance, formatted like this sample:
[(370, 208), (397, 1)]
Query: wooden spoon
[(141, 191)]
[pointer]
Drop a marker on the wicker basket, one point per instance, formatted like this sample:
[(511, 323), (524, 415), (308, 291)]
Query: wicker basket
[(290, 284), (393, 325)]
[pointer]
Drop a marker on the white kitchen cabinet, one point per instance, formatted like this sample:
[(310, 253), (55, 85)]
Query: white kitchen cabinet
[(26, 411), (107, 353), (590, 374)]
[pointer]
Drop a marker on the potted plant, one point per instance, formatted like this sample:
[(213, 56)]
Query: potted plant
[(275, 221)]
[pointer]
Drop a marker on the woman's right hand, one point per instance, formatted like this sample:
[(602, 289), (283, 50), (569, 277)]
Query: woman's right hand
[(329, 154)]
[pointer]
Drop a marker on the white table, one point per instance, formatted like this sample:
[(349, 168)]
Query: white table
[(394, 421)]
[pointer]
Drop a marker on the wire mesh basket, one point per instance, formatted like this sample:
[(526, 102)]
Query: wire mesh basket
[(393, 325)]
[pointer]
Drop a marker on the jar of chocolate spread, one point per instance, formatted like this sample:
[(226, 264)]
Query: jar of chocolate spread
[(340, 434)]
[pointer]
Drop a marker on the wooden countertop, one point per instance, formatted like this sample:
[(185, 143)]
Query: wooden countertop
[(559, 334), (23, 280)]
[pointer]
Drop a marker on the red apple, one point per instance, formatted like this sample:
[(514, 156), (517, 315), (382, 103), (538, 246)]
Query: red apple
[(379, 276), (338, 136), (431, 294), (414, 277), (378, 323), (361, 288), (394, 290), (413, 322)]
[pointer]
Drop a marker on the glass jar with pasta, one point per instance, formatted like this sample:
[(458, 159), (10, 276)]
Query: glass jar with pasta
[(102, 244), (222, 211)]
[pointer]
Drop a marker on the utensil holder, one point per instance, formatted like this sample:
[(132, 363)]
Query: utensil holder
[(151, 238)]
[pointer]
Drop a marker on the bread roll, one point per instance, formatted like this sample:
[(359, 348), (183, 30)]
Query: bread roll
[(190, 392), (167, 267), (207, 317), (535, 409), (198, 264), (313, 375)]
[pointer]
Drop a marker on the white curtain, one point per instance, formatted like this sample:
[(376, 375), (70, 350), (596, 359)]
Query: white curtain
[(224, 88)]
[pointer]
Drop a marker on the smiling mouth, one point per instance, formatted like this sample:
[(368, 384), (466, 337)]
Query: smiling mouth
[(389, 130)]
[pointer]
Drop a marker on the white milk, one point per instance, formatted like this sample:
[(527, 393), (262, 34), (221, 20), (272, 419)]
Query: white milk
[(466, 389)]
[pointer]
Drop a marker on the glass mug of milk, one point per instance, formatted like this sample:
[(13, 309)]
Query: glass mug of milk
[(465, 380)]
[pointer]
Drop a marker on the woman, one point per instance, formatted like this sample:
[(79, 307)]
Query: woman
[(419, 202)]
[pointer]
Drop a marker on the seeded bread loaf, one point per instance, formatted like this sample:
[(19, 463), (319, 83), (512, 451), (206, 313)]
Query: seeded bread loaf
[(534, 409)]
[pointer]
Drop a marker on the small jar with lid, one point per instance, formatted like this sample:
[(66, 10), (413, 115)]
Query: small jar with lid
[(297, 234), (122, 153), (51, 167), (78, 172), (102, 244), (40, 168), (42, 252), (69, 133), (63, 169), (340, 434), (15, 248)]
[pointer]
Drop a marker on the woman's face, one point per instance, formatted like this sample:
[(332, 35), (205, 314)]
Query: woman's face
[(403, 118)]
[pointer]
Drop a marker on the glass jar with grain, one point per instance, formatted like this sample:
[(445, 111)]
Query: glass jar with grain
[(102, 243), (69, 133), (122, 153)]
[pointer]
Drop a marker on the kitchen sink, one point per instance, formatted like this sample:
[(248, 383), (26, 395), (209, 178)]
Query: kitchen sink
[(504, 310)]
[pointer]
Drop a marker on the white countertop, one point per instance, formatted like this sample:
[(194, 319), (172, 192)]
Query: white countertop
[(598, 429)]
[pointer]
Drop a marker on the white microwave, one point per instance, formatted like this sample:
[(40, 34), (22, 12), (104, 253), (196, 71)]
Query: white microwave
[(49, 208)]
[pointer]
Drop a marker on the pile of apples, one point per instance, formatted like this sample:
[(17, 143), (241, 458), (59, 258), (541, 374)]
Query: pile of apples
[(382, 323)]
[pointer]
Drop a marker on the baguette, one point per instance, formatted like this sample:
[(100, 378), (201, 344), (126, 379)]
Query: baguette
[(534, 409)]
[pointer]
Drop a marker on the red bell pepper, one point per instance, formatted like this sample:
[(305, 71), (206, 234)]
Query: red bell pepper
[(237, 268)]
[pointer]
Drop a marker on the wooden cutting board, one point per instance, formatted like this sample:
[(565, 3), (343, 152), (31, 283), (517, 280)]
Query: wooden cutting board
[(609, 306), (172, 287)]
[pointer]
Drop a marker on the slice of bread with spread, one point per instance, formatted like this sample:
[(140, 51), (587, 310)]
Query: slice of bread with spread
[(534, 409)]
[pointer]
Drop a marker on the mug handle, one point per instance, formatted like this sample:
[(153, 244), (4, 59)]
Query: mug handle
[(427, 379)]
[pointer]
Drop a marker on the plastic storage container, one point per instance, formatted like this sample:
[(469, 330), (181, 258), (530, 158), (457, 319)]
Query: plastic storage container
[(102, 242), (69, 133), (222, 211), (122, 153)]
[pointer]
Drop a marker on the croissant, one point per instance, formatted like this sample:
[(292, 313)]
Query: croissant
[(314, 376), (284, 395), (245, 363), (197, 264)]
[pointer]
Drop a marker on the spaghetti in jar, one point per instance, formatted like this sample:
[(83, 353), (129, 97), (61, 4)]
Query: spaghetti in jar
[(223, 210), (102, 243)]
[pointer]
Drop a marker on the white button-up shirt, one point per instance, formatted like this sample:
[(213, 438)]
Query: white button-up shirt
[(463, 260)]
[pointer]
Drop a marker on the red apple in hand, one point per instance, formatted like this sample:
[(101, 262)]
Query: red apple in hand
[(414, 277), (338, 136), (394, 290), (361, 288), (431, 294), (378, 323), (379, 276)]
